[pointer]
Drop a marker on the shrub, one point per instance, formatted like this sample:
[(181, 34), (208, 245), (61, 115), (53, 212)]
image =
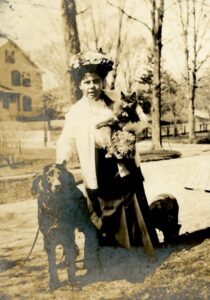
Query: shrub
[(204, 140), (154, 155)]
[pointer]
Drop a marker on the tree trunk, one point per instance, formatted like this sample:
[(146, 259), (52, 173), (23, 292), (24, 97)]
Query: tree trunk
[(191, 119), (118, 48), (157, 23), (191, 73), (194, 81), (156, 131), (72, 42)]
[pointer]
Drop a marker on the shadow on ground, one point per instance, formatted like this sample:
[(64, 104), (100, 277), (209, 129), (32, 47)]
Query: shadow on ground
[(134, 265), (118, 266), (194, 238)]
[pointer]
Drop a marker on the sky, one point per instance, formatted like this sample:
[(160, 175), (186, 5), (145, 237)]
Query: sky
[(30, 22), (36, 26)]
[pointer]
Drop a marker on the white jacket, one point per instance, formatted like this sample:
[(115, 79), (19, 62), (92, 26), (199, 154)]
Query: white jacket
[(78, 134)]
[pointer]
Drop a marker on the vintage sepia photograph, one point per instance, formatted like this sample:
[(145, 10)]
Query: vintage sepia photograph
[(105, 149)]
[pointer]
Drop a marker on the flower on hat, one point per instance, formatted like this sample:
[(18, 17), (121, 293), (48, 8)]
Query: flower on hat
[(90, 58)]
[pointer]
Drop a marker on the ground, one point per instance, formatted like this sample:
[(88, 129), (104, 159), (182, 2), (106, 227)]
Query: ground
[(179, 272)]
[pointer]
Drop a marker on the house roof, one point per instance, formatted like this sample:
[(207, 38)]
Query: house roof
[(4, 41), (202, 114), (4, 88), (49, 80)]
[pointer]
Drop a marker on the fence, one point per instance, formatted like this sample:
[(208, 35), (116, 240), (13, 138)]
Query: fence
[(178, 129), (10, 151), (35, 138), (16, 188), (10, 147)]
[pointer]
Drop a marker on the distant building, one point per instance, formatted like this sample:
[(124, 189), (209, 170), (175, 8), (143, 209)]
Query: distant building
[(20, 83), (202, 115)]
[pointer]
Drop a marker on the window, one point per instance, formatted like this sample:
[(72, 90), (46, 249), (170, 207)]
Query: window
[(26, 79), (13, 98), (6, 101), (10, 57), (16, 78), (27, 103), (18, 104), (8, 98)]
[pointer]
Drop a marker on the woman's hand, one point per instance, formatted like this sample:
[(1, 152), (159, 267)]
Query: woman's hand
[(110, 121), (103, 137)]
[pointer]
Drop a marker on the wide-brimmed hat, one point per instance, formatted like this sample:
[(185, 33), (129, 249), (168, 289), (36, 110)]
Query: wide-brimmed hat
[(90, 61)]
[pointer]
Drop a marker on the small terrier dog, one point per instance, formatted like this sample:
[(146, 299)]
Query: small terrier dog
[(125, 112)]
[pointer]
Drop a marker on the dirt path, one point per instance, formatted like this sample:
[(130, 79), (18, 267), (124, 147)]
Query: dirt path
[(126, 274)]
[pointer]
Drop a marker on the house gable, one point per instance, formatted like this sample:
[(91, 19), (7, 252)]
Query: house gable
[(9, 44), (22, 76)]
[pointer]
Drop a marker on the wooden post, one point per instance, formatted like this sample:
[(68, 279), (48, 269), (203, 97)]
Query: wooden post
[(184, 129), (168, 131), (44, 117)]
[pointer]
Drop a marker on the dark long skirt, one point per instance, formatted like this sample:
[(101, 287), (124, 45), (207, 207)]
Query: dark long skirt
[(114, 203)]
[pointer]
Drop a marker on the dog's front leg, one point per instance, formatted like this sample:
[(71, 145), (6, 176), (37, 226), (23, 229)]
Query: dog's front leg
[(52, 268), (70, 259)]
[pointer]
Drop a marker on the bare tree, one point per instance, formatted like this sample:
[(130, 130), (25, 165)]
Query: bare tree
[(157, 15), (118, 46), (100, 37), (71, 37), (193, 18), (131, 62)]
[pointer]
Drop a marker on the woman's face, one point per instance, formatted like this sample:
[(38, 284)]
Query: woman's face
[(91, 85)]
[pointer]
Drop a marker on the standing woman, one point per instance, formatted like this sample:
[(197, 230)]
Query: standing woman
[(112, 190)]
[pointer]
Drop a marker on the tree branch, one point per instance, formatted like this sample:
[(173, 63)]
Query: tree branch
[(82, 11), (8, 36), (202, 62), (94, 30), (129, 16)]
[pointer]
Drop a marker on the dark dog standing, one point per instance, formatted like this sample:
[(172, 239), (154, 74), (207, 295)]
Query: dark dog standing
[(61, 209), (164, 213)]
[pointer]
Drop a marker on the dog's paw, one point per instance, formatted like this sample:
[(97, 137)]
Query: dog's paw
[(53, 285), (75, 284)]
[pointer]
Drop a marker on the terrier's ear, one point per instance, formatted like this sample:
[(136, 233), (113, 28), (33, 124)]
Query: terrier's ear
[(122, 95), (133, 95)]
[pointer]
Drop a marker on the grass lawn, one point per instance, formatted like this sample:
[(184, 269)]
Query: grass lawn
[(33, 160), (31, 125), (184, 139), (30, 161)]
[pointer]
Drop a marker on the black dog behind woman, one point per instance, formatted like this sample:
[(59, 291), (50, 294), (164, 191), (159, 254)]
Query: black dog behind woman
[(164, 213)]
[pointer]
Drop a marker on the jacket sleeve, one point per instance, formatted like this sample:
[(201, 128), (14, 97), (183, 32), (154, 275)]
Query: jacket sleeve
[(66, 147)]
